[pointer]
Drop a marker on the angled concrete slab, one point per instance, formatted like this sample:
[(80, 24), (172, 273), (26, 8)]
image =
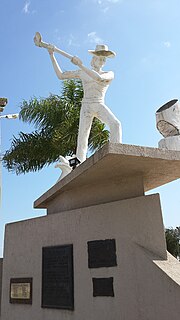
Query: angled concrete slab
[(119, 165)]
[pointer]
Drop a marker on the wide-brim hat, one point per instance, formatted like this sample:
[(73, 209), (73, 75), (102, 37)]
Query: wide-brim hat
[(102, 50)]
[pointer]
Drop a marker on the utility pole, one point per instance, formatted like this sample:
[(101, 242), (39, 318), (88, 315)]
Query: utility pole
[(3, 103)]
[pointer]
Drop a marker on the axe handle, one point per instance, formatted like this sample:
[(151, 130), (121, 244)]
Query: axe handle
[(55, 49), (63, 53)]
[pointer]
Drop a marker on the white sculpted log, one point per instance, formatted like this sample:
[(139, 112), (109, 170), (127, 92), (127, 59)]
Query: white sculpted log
[(170, 143), (168, 124), (63, 164)]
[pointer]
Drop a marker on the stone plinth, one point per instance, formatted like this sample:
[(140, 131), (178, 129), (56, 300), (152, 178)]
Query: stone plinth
[(115, 172), (99, 205), (1, 267)]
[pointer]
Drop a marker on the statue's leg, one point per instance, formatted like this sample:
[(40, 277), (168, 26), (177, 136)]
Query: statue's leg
[(105, 115), (85, 123)]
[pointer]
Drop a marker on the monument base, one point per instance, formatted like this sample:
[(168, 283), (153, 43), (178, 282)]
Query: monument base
[(1, 267), (96, 261)]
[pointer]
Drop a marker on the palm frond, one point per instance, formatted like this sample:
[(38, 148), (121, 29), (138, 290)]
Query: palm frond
[(56, 120)]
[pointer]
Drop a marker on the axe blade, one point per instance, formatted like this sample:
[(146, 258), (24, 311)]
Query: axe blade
[(37, 39)]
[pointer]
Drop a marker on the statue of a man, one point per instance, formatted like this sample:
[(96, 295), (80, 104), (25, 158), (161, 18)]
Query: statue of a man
[(95, 83)]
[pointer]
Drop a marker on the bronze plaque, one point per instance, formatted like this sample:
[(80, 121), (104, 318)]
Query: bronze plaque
[(21, 290), (57, 277), (102, 253), (103, 287)]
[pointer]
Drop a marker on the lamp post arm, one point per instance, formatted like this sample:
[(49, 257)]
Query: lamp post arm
[(10, 116)]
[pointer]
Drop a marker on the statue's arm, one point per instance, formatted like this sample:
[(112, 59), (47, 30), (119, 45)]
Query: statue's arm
[(106, 76), (60, 74), (92, 73)]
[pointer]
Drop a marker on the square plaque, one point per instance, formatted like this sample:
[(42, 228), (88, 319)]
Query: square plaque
[(21, 290), (103, 287), (57, 277), (102, 253)]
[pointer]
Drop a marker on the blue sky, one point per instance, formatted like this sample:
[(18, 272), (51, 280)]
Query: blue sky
[(145, 36)]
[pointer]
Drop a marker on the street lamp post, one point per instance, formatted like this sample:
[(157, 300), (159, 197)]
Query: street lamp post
[(3, 102)]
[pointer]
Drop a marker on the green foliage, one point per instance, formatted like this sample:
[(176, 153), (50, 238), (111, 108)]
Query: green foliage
[(172, 241), (56, 121)]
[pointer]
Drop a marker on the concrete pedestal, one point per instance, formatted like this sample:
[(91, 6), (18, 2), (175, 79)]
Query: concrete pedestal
[(101, 202), (1, 267)]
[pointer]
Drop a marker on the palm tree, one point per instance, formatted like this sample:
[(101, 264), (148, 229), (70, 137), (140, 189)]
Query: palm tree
[(172, 241), (56, 120)]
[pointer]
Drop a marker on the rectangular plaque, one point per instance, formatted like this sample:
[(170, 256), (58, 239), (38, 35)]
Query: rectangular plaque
[(21, 290), (57, 277), (103, 287), (102, 253)]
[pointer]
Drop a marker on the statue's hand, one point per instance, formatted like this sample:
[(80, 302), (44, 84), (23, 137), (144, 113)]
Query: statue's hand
[(50, 49), (76, 61)]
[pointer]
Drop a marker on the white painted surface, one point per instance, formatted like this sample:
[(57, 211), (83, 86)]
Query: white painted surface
[(168, 119), (63, 164), (39, 43), (170, 143), (168, 124), (95, 84)]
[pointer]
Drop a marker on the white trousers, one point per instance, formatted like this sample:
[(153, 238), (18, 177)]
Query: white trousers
[(103, 113)]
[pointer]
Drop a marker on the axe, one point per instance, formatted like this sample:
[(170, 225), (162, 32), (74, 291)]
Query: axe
[(39, 43)]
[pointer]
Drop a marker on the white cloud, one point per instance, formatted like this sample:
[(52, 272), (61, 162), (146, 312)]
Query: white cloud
[(114, 1), (64, 40), (94, 38), (26, 7), (105, 9), (104, 2), (72, 41), (105, 5), (167, 44)]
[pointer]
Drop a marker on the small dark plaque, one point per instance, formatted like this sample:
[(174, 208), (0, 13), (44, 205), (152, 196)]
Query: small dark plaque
[(21, 290), (103, 287), (57, 277), (102, 253)]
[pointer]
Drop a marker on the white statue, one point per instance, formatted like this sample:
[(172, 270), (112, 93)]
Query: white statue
[(168, 124), (95, 84)]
